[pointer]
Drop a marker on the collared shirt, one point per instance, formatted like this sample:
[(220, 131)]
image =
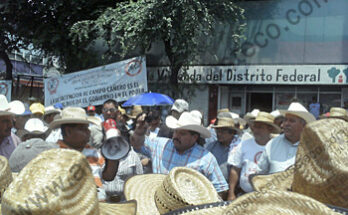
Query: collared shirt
[(221, 153), (128, 167), (279, 154), (8, 145), (165, 157)]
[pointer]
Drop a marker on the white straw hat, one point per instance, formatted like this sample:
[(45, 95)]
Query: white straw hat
[(188, 121), (15, 107), (300, 111), (35, 125), (71, 115)]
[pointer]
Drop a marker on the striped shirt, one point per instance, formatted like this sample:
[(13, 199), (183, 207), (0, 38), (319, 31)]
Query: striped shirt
[(165, 157)]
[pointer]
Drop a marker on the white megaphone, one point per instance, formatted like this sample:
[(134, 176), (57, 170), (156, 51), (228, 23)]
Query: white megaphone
[(115, 147)]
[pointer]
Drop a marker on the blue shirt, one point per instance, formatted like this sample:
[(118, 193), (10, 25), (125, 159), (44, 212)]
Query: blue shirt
[(221, 153), (165, 157)]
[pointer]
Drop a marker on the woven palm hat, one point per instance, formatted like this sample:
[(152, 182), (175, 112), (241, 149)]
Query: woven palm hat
[(280, 181), (57, 181), (13, 108), (226, 122), (276, 203), (71, 115), (136, 110), (321, 167), (215, 208), (268, 119), (188, 121), (5, 175), (337, 112), (300, 111), (159, 194), (251, 115)]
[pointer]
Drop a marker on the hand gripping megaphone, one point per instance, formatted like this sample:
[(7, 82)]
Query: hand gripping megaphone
[(115, 147)]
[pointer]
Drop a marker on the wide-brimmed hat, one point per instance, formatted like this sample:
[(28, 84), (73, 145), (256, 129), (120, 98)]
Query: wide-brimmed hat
[(180, 105), (136, 110), (188, 121), (5, 175), (268, 119), (35, 126), (15, 107), (37, 108), (71, 115), (321, 166), (50, 110), (337, 112), (300, 111), (277, 203), (225, 122), (58, 181), (26, 151), (159, 194), (251, 115)]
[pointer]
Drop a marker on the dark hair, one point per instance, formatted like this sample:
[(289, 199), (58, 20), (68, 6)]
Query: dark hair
[(115, 103)]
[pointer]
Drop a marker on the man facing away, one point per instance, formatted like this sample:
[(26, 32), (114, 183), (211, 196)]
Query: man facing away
[(181, 150)]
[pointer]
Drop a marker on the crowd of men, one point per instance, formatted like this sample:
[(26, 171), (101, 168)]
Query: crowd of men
[(227, 152)]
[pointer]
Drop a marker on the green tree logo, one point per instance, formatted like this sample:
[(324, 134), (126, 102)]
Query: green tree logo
[(345, 72), (333, 73)]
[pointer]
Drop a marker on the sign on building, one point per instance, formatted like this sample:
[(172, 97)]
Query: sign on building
[(118, 81)]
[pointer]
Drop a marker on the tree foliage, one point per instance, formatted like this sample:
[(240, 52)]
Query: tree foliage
[(181, 25), (45, 25)]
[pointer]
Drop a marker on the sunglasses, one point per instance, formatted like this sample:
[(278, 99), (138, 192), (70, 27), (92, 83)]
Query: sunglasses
[(112, 110)]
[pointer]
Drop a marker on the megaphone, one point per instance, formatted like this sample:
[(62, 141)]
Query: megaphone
[(115, 147)]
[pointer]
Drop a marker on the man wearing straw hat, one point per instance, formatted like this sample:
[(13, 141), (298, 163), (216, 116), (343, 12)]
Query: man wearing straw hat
[(74, 127), (227, 139), (181, 150), (280, 152), (244, 158), (8, 140)]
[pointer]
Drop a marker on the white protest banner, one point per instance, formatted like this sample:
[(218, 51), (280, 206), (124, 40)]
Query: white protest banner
[(257, 74), (118, 81), (5, 88)]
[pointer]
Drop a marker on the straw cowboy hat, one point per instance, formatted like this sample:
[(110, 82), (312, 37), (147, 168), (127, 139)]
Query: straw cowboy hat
[(268, 119), (260, 203), (5, 175), (188, 121), (159, 194), (337, 112), (300, 111), (71, 115), (251, 115), (58, 181), (136, 110), (12, 108), (226, 121), (321, 168)]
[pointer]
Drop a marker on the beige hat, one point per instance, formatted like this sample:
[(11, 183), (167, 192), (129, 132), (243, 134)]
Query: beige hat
[(12, 108), (268, 119), (300, 111), (337, 112), (57, 181), (180, 105), (321, 166), (71, 115), (188, 121), (136, 110), (276, 203), (5, 175), (226, 123), (159, 194), (35, 126)]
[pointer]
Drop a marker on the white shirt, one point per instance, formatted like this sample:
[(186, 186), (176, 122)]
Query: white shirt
[(279, 154), (245, 157)]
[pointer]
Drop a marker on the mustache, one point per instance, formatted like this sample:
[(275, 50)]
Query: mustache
[(176, 139)]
